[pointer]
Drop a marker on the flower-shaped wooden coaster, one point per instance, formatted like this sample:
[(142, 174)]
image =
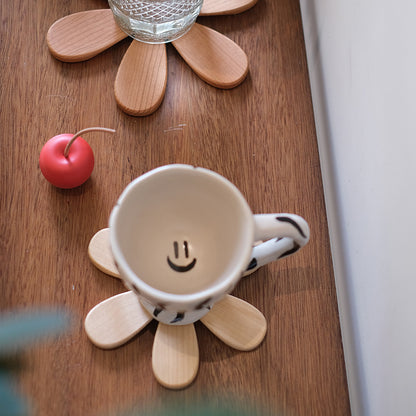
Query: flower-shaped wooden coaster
[(175, 355), (142, 76)]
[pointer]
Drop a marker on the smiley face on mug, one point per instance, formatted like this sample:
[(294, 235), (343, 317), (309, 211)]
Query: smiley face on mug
[(181, 262)]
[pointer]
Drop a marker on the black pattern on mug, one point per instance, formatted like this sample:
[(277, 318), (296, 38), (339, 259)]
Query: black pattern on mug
[(295, 248), (252, 265), (293, 222), (158, 309), (179, 317)]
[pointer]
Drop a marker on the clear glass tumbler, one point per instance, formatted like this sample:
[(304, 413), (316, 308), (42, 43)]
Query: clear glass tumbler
[(155, 21)]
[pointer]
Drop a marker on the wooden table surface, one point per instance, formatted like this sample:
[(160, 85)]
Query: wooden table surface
[(260, 135)]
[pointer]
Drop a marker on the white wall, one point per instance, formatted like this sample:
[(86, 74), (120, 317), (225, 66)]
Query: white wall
[(362, 63)]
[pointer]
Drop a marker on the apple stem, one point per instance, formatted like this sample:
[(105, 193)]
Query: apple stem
[(89, 129)]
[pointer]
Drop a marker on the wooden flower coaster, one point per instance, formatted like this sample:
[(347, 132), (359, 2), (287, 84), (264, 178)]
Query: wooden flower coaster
[(175, 355), (140, 88)]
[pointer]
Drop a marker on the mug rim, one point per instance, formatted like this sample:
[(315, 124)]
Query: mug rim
[(160, 296)]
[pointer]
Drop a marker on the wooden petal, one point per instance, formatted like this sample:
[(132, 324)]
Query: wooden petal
[(236, 323), (114, 321), (220, 7), (215, 58), (141, 78), (81, 36), (175, 356), (99, 252)]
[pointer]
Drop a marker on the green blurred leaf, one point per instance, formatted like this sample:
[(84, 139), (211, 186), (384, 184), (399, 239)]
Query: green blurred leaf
[(19, 329), (215, 406), (11, 404)]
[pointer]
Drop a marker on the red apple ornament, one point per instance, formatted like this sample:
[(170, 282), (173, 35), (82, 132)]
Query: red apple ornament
[(67, 160)]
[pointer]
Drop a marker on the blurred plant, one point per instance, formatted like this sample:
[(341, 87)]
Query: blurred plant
[(214, 406), (18, 330)]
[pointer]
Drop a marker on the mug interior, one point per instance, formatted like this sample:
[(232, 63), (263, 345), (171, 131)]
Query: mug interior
[(182, 230)]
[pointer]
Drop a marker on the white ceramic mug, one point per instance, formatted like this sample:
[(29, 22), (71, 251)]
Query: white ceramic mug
[(183, 236)]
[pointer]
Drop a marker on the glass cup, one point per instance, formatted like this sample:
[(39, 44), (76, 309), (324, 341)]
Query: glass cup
[(155, 21)]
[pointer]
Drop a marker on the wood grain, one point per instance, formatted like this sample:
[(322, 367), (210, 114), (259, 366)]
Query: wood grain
[(236, 323), (99, 252), (116, 320), (175, 355), (215, 58), (141, 79), (81, 36), (260, 135)]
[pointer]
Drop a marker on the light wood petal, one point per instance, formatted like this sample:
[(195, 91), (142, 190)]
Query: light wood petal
[(236, 323), (221, 7), (99, 252), (141, 78), (175, 356), (81, 36), (116, 320), (213, 57)]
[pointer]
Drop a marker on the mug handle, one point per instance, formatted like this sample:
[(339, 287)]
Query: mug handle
[(284, 234)]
